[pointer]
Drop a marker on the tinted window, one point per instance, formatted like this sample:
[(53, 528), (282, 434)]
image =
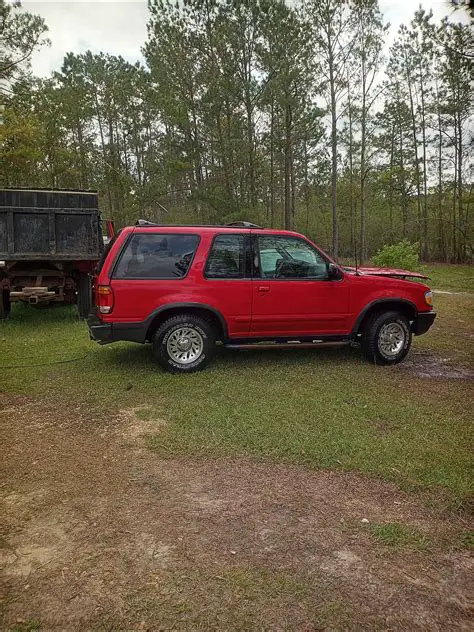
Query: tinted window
[(289, 258), (157, 256), (226, 259)]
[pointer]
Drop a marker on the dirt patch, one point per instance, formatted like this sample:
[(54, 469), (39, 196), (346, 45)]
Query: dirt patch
[(100, 534), (138, 423), (428, 365)]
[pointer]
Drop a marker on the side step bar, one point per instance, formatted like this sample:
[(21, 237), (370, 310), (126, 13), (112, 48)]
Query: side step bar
[(291, 344)]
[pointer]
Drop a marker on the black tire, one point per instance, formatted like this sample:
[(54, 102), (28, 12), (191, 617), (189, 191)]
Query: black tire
[(5, 304), (373, 345), (84, 295), (204, 335)]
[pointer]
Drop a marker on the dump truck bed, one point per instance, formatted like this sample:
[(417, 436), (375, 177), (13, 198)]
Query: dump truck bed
[(49, 224)]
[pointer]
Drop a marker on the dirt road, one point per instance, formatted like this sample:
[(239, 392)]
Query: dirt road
[(100, 534)]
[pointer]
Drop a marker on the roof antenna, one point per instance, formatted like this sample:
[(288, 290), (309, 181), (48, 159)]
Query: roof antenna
[(355, 253)]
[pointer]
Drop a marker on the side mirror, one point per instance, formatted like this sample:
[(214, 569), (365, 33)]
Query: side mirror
[(334, 273)]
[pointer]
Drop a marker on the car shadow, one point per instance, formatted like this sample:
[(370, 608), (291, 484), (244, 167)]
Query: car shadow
[(140, 357), (290, 355)]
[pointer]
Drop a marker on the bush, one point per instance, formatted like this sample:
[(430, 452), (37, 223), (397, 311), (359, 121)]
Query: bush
[(402, 255)]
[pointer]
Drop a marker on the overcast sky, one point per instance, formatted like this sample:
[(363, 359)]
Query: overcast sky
[(119, 26)]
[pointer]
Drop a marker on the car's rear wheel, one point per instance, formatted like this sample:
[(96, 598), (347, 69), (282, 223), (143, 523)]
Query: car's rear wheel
[(184, 343), (386, 338)]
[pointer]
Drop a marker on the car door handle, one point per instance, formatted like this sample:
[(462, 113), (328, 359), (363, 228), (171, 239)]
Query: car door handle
[(264, 288)]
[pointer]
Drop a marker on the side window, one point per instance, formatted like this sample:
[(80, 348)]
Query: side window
[(289, 258), (226, 259), (156, 256)]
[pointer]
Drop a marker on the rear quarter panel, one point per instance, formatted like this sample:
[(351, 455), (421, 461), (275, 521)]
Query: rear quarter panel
[(136, 301)]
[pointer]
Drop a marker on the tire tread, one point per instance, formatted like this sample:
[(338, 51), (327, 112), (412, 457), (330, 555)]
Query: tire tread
[(206, 325), (369, 337)]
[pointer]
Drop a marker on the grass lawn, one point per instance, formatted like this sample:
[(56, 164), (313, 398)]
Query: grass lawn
[(323, 409), (456, 278)]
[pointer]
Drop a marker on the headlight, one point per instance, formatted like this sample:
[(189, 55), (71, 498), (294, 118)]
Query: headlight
[(429, 297)]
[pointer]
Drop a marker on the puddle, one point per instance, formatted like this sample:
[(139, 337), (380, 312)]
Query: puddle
[(426, 365)]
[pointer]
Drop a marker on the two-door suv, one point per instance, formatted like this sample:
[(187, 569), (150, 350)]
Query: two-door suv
[(185, 288)]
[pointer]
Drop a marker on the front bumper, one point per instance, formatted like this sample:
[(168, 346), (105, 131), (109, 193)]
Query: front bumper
[(423, 322)]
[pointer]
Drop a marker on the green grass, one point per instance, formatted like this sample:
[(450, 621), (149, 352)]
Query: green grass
[(465, 540), (26, 626), (397, 535), (321, 409), (455, 278), (239, 597)]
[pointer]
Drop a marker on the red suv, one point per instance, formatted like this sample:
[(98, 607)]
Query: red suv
[(184, 288)]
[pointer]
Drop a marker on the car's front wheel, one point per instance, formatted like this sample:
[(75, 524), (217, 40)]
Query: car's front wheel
[(386, 338), (184, 343)]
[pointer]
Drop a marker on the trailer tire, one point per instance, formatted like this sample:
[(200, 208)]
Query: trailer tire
[(84, 289), (5, 304)]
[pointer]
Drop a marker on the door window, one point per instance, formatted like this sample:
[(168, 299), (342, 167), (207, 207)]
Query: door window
[(156, 256), (281, 257), (226, 259)]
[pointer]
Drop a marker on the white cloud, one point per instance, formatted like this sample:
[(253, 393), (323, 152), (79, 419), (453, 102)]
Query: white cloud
[(118, 27), (113, 26)]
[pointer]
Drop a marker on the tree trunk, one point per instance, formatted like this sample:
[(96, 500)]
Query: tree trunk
[(306, 183), (252, 198), (335, 232), (404, 198), (363, 139), (272, 165), (351, 174), (455, 195), (462, 227), (293, 187), (287, 209), (417, 164), (441, 246), (390, 184), (424, 243), (106, 167)]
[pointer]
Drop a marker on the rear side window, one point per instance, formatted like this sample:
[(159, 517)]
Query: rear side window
[(226, 259), (156, 256)]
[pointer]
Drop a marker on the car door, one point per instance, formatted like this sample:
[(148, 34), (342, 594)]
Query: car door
[(292, 294), (227, 281)]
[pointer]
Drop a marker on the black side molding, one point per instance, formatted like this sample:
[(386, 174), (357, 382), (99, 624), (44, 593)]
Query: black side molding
[(104, 333)]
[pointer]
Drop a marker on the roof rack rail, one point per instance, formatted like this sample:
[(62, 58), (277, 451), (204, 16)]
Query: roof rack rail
[(145, 222), (242, 225)]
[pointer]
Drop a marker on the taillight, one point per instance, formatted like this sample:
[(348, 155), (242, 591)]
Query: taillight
[(105, 299)]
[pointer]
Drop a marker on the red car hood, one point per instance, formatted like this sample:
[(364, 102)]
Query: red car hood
[(390, 272)]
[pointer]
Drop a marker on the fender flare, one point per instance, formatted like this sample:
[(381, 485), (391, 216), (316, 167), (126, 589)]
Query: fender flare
[(380, 301), (173, 306)]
